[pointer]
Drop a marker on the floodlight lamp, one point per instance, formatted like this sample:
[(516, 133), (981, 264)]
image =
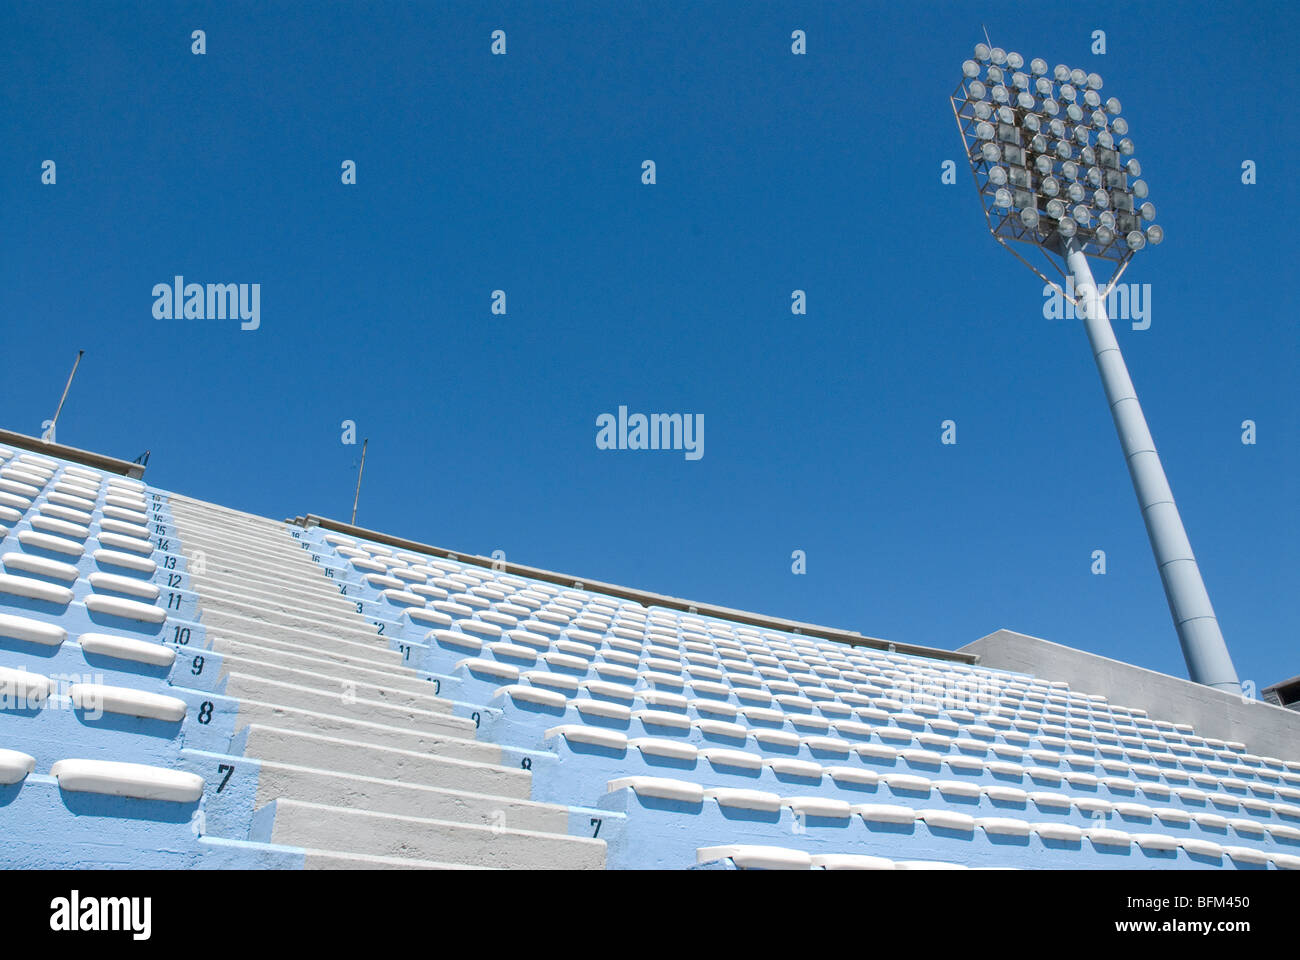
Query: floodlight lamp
[(1106, 219), (970, 69), (1088, 156), (1002, 197), (1050, 186), (1081, 135), (1120, 126), (1043, 163), (1075, 192), (1135, 240), (1074, 112), (1000, 94), (998, 55), (1148, 211), (1155, 234), (1064, 150), (1057, 126), (1134, 168), (1038, 66), (1140, 189), (991, 152), (1126, 147), (1094, 176), (1039, 145), (1006, 114), (1101, 199), (1029, 217), (1068, 227), (1099, 120), (995, 75), (1082, 215), (1094, 81), (1025, 101), (1051, 107), (982, 52), (1068, 93), (1015, 61), (997, 176), (1104, 139), (1030, 122), (983, 110), (1043, 86), (977, 90), (1061, 72), (1070, 170), (1020, 80), (984, 130), (1113, 105), (1055, 209), (1105, 236), (1092, 98)]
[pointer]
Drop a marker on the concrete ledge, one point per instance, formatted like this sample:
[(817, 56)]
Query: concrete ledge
[(1264, 728), (640, 596), (86, 458)]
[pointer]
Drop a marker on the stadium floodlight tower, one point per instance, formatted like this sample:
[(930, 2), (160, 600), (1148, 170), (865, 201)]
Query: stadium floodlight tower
[(1052, 162)]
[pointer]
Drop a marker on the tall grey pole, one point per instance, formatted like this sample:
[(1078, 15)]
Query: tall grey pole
[(364, 443), (1198, 629)]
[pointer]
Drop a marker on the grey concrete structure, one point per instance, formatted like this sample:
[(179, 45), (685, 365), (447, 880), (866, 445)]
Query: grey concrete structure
[(1264, 728)]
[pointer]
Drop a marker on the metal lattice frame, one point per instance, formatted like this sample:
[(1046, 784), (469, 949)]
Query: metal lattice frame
[(1084, 195)]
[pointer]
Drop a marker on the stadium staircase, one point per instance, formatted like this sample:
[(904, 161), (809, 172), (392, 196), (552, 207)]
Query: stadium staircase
[(184, 685)]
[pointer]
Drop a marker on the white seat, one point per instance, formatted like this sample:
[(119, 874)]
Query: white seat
[(21, 689), (663, 788), (851, 861), (1004, 826), (744, 799), (128, 780), (127, 701), (751, 857), (127, 648), (597, 736), (30, 630), (827, 807), (947, 820), (40, 566), (884, 813), (126, 609)]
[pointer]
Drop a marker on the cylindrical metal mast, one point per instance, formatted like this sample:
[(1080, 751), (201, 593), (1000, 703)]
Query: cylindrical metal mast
[(1198, 628)]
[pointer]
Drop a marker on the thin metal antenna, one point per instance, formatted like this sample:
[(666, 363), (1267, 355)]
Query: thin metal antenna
[(48, 436), (986, 35), (364, 444)]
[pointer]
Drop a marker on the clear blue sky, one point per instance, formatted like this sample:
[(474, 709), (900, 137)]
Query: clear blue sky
[(775, 173)]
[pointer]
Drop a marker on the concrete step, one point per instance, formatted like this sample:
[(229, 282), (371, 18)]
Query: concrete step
[(322, 752), (391, 835), (280, 613), (333, 860), (454, 735), (216, 618), (340, 789), (262, 648), (316, 661), (434, 717), (219, 622), (367, 685)]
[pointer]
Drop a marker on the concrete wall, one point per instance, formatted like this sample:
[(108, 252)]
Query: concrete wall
[(1264, 728)]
